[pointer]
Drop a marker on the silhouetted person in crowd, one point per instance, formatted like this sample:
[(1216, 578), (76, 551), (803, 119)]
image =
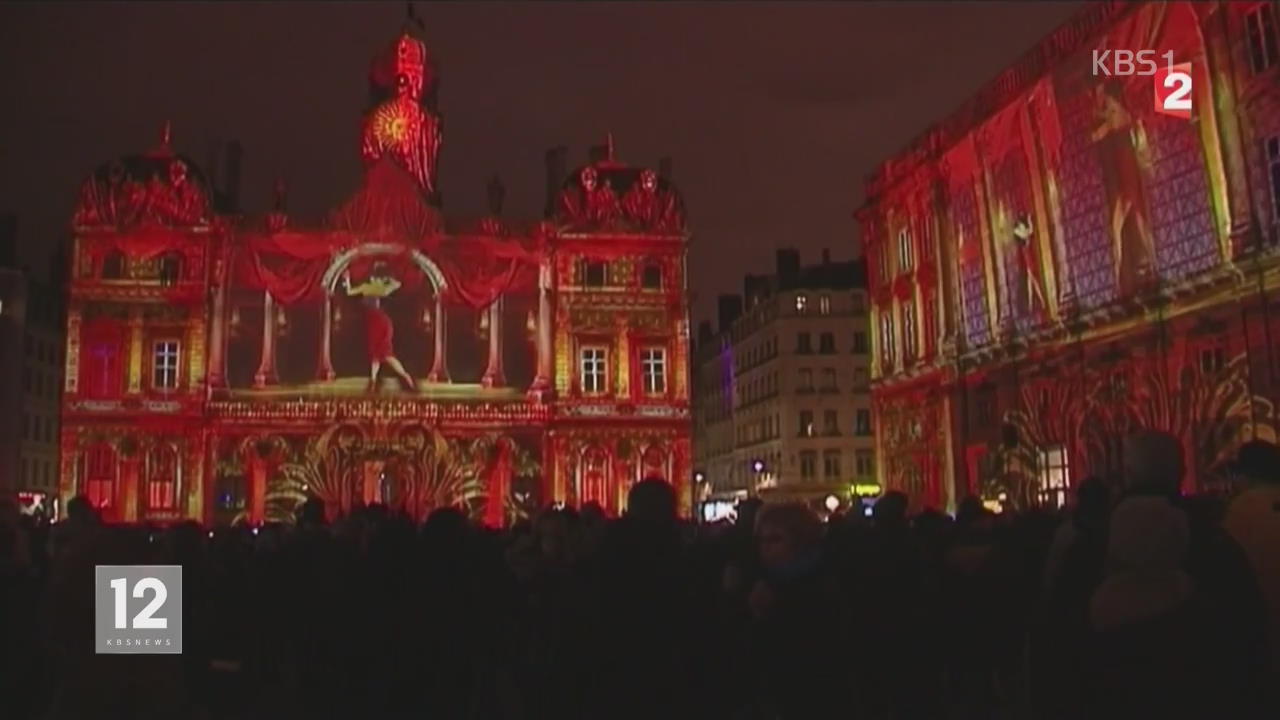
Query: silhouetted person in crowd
[(796, 648), (648, 597), (1072, 571), (1253, 520), (1177, 617)]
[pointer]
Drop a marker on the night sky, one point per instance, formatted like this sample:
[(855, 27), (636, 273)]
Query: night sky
[(774, 114)]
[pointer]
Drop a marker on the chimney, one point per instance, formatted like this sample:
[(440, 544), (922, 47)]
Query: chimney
[(705, 334), (556, 159), (664, 168), (730, 309), (754, 289), (826, 256), (8, 240), (788, 267), (235, 152)]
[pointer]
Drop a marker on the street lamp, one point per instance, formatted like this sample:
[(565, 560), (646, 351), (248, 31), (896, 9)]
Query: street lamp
[(695, 491), (832, 502)]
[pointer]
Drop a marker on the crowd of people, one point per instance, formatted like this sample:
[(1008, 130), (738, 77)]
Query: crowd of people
[(1134, 602)]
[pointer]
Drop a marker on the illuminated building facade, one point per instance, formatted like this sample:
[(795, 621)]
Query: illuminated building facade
[(783, 408), (223, 368), (1057, 263)]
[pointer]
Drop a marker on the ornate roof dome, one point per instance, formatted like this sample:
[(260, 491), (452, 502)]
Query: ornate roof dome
[(159, 186), (609, 195)]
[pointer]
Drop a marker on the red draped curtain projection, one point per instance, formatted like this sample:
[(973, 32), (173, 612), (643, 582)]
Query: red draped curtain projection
[(476, 270)]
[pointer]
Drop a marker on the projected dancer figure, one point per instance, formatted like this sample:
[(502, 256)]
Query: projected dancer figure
[(1117, 138), (1023, 232), (378, 329)]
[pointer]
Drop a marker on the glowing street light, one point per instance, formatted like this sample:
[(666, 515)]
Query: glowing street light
[(699, 477), (757, 466), (832, 503)]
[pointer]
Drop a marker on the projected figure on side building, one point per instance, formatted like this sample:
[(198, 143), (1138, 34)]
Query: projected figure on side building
[(1117, 138), (378, 329), (1024, 238)]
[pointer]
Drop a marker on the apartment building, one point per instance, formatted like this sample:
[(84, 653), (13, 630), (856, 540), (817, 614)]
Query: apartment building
[(782, 408)]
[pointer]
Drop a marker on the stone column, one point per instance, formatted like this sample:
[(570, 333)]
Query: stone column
[(622, 374), (257, 500), (217, 339), (439, 364), (541, 387), (135, 350), (325, 371), (130, 476), (266, 374), (493, 375), (71, 363)]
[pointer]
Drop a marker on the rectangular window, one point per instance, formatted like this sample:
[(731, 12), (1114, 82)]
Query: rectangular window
[(864, 462), (886, 340), (830, 422), (651, 277), (806, 381), (859, 342), (862, 422), (653, 367), (802, 303), (1273, 167), (806, 423), (808, 464), (882, 258), (1055, 476), (824, 304), (909, 344), (1261, 29), (831, 463), (860, 380), (829, 380), (804, 343), (593, 273), (593, 370), (856, 305), (930, 324), (827, 343), (904, 250), (164, 364)]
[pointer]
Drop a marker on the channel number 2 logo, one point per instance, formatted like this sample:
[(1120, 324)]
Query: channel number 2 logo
[(138, 608), (1173, 90)]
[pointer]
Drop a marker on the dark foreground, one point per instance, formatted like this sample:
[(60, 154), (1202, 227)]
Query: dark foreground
[(574, 616)]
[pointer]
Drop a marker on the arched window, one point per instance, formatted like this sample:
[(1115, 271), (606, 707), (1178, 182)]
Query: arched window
[(654, 463), (162, 477), (170, 270), (101, 374), (593, 476), (98, 475), (113, 265)]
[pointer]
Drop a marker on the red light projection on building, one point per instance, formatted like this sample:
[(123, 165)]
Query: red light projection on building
[(1101, 266), (224, 368)]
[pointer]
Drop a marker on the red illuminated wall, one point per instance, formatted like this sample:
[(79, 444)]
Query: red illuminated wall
[(220, 368), (1090, 250)]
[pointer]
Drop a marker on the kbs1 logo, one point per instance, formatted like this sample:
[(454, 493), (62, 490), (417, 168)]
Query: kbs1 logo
[(1172, 82)]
